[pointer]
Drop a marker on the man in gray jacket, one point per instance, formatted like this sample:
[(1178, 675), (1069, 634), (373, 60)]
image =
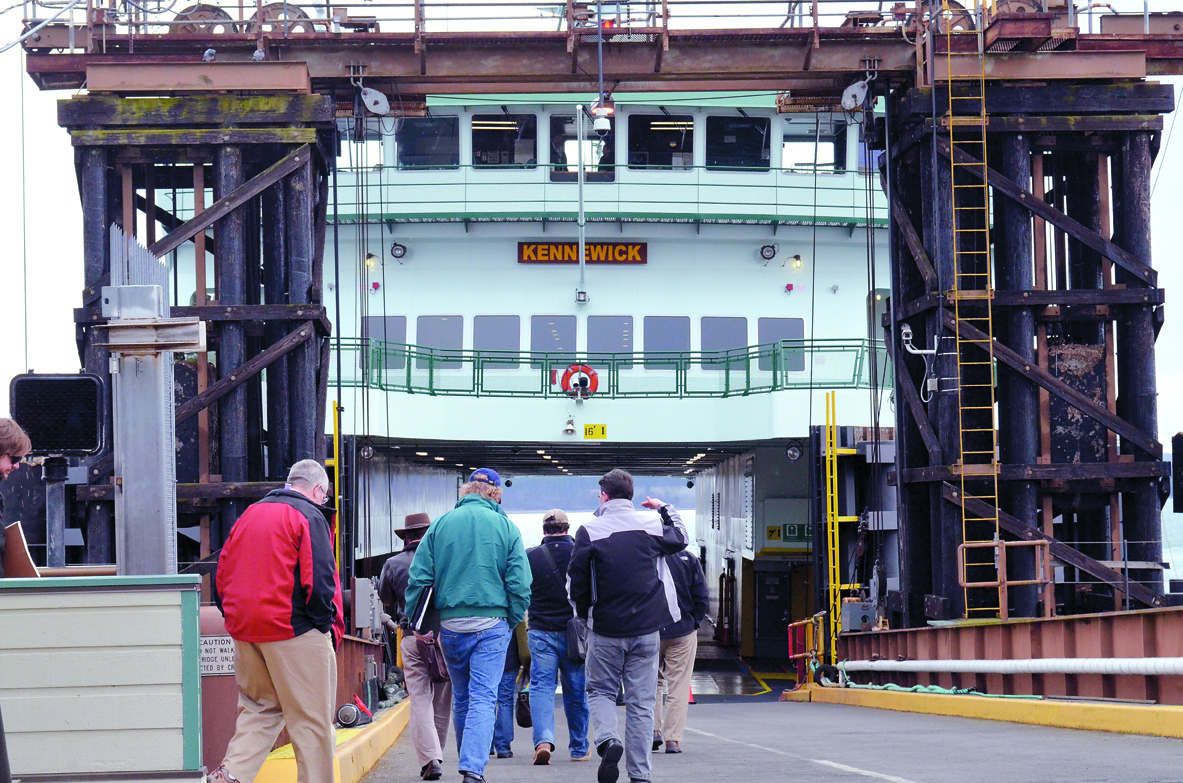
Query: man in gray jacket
[(619, 581), (431, 702)]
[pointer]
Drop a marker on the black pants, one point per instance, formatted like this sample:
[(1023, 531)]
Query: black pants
[(5, 773)]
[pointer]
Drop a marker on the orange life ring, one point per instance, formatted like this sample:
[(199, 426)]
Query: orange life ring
[(584, 386)]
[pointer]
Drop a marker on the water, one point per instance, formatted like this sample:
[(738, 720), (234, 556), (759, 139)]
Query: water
[(530, 523)]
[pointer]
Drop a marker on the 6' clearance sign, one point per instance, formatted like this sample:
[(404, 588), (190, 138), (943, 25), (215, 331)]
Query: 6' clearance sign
[(568, 252)]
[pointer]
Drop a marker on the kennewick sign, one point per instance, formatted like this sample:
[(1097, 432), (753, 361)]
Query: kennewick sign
[(596, 252)]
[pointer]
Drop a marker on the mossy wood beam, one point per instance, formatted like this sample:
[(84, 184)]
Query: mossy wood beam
[(1042, 209), (1057, 548), (220, 111), (191, 137), (232, 200), (1032, 372)]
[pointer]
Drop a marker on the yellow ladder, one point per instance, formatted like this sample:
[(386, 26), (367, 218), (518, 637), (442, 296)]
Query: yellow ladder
[(981, 560), (833, 552)]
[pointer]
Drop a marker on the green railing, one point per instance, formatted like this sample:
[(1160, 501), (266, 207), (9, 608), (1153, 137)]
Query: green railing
[(757, 369)]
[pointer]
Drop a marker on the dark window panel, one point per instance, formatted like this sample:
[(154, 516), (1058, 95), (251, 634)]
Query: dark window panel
[(665, 333), (610, 334), (444, 333), (660, 141), (428, 143), (773, 330), (741, 143), (504, 140), (385, 329), (497, 333), (553, 334), (721, 334)]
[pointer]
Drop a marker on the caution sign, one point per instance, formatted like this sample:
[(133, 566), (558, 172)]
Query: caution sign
[(595, 431), (595, 252), (217, 655)]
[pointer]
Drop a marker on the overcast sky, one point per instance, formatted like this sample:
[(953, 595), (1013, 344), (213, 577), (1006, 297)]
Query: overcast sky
[(41, 239)]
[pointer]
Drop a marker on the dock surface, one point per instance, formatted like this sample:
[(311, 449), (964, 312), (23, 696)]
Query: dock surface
[(754, 740)]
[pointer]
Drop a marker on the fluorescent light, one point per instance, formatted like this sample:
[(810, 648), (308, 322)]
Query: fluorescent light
[(439, 459), (420, 453), (540, 451)]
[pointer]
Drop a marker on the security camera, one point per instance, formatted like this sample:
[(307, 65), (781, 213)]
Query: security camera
[(906, 333), (375, 101), (690, 484), (854, 95), (602, 125)]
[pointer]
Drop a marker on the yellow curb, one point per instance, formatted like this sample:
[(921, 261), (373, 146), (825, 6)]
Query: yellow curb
[(1153, 720), (358, 750)]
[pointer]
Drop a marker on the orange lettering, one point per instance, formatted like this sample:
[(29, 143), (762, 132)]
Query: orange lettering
[(569, 253), (634, 253), (621, 252), (596, 252), (528, 253)]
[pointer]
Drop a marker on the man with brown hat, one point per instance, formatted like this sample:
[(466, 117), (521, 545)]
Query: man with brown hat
[(431, 702)]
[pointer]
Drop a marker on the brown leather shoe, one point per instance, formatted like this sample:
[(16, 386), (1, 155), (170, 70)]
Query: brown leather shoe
[(542, 754)]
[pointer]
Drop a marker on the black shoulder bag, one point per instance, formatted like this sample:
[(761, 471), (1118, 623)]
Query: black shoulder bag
[(576, 627)]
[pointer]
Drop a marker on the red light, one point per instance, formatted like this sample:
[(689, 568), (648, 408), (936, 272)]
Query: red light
[(608, 24), (374, 286), (788, 288)]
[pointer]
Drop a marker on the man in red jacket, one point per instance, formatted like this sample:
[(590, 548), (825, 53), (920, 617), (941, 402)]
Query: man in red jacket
[(281, 596)]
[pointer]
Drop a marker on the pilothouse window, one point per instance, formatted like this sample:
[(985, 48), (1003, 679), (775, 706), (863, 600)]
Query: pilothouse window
[(599, 152), (739, 142), (498, 334), (445, 334), (610, 334), (361, 144), (428, 143), (660, 141), (504, 140), (811, 141), (553, 335)]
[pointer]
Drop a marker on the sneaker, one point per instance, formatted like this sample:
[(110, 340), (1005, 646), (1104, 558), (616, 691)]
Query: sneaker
[(610, 751), (673, 747), (542, 754), (221, 775), (584, 757), (656, 740)]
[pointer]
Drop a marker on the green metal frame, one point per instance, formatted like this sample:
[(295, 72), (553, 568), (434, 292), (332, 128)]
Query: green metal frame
[(740, 372)]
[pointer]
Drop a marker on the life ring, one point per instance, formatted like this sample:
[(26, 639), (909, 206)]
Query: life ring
[(580, 380)]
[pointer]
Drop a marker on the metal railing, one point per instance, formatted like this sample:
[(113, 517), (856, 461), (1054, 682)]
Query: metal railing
[(693, 193), (758, 369)]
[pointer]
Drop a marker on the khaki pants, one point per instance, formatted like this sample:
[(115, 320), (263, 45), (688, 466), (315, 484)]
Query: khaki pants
[(673, 685), (292, 682), (431, 704)]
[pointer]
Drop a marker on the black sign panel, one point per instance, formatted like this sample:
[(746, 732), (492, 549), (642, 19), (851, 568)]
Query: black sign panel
[(61, 413)]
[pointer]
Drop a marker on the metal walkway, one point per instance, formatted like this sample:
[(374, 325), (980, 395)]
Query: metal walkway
[(767, 741)]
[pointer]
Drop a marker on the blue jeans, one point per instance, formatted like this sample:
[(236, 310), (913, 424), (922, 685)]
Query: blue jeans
[(503, 727), (549, 663), (475, 663)]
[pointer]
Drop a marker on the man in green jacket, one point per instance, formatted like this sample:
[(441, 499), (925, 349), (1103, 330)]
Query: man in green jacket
[(471, 566)]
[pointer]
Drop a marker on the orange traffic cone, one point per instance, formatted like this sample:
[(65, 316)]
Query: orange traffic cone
[(691, 701)]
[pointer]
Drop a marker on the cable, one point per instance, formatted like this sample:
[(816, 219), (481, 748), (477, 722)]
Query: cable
[(1163, 153), (24, 218)]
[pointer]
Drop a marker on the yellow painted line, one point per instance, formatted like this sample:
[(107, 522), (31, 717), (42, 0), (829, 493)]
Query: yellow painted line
[(358, 750), (1148, 719)]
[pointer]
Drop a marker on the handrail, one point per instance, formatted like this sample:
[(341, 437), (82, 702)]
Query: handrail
[(705, 193), (757, 369)]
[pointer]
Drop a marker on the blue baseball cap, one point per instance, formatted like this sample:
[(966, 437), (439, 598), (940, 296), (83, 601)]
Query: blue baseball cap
[(486, 476)]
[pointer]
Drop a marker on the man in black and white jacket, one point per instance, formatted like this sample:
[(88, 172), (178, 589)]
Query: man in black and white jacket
[(619, 582)]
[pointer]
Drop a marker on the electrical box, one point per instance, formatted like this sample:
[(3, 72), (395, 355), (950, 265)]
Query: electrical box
[(857, 615), (62, 414)]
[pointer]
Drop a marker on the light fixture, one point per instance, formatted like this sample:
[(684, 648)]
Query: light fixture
[(398, 251), (833, 289), (797, 262), (420, 453), (546, 457), (768, 252), (508, 482), (603, 106), (540, 451), (878, 297), (570, 428), (690, 484), (793, 453), (438, 459), (366, 451), (371, 260)]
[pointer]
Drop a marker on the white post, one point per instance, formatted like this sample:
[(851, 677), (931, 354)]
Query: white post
[(581, 292)]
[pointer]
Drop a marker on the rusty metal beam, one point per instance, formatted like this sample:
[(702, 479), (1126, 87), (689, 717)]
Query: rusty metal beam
[(232, 200), (198, 77), (1076, 66)]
